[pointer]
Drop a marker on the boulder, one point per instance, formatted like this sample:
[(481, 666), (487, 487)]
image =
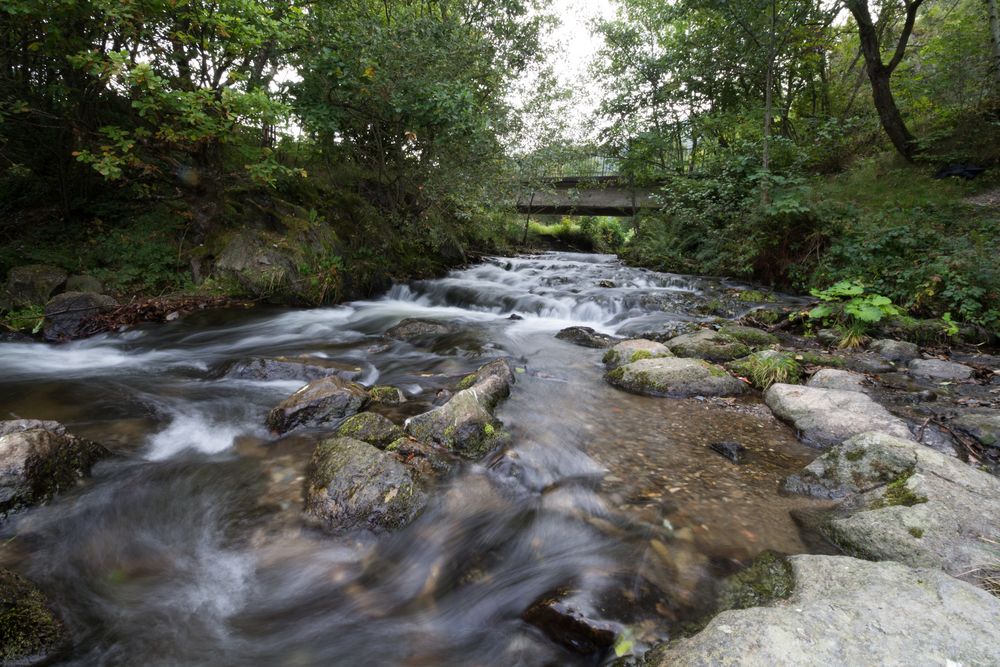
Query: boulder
[(67, 314), (371, 428), (864, 362), (320, 402), (630, 351), (827, 417), (39, 459), (832, 378), (423, 457), (844, 611), (709, 345), (30, 632), (351, 485), (981, 424), (263, 267), (32, 285), (675, 377), (465, 424), (586, 337), (413, 328), (84, 284), (938, 369), (387, 395), (895, 350), (908, 503), (305, 369), (748, 335)]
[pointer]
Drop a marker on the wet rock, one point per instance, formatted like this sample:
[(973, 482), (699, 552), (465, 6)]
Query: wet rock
[(938, 369), (981, 424), (827, 417), (422, 456), (845, 611), (34, 284), (84, 284), (320, 402), (733, 451), (351, 485), (895, 350), (909, 503), (67, 314), (412, 329), (465, 424), (586, 337), (30, 632), (305, 369), (709, 345), (860, 464), (607, 284), (15, 337), (828, 337), (370, 427), (869, 363), (630, 351), (749, 335), (675, 377), (515, 317), (832, 378), (563, 622), (39, 459), (387, 395)]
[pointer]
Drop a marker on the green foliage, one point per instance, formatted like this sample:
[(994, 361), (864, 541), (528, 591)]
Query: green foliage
[(763, 369), (847, 306), (27, 320)]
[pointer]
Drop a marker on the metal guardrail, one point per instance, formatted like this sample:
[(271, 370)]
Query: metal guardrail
[(592, 167)]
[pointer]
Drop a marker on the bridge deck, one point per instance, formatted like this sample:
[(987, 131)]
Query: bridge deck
[(606, 195)]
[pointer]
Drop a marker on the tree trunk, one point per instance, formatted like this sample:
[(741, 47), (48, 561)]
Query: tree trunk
[(995, 38), (888, 113)]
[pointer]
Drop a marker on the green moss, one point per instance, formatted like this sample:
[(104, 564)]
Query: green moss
[(755, 296), (28, 628), (639, 355), (467, 382), (748, 335), (855, 455), (489, 430), (768, 578), (385, 394), (764, 369), (617, 375), (814, 359), (610, 357), (917, 532), (897, 493)]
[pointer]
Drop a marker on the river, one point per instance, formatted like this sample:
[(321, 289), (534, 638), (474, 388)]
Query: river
[(188, 547)]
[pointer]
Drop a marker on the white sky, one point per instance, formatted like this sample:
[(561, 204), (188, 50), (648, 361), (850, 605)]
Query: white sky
[(573, 47)]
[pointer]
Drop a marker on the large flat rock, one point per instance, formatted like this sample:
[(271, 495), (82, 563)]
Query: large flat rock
[(845, 611), (675, 377), (826, 417)]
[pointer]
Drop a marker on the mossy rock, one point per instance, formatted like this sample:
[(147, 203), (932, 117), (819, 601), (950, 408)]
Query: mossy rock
[(371, 428), (749, 335), (768, 579), (384, 394), (30, 632), (630, 351), (675, 377), (709, 345)]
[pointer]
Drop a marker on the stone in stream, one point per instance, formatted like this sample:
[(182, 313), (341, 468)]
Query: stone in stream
[(568, 624), (748, 335), (413, 328), (465, 424), (586, 337), (39, 459), (844, 611), (981, 424), (32, 285), (709, 345), (827, 417), (305, 369), (895, 350), (30, 632), (938, 369), (733, 451), (833, 378), (351, 485), (322, 401), (84, 283), (675, 377), (630, 351), (371, 428), (387, 395), (67, 314), (908, 503)]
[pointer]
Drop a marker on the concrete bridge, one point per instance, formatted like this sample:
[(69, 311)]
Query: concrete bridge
[(585, 195)]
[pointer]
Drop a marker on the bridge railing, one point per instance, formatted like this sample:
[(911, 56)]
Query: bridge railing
[(595, 166)]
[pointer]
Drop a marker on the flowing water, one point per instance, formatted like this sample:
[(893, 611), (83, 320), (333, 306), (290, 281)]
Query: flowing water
[(188, 547)]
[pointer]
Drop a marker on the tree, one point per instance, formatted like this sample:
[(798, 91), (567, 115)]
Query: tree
[(880, 72)]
